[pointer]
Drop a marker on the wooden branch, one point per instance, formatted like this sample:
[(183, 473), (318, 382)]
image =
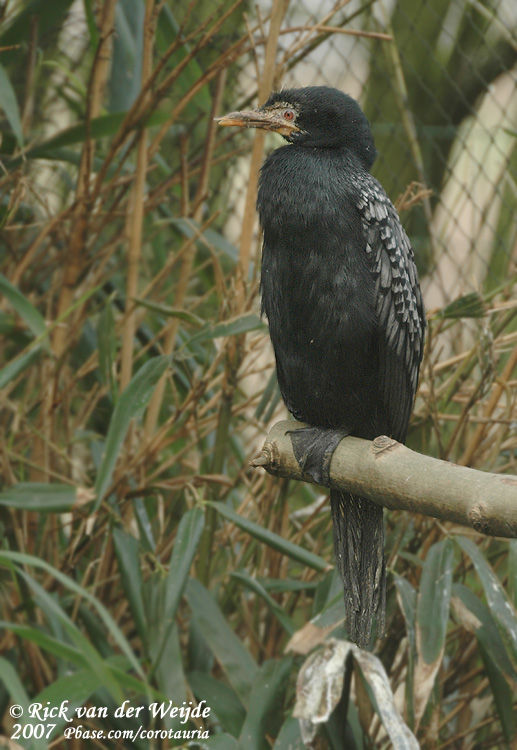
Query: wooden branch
[(398, 478)]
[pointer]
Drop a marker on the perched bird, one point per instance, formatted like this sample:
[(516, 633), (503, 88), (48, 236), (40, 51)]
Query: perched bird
[(341, 293)]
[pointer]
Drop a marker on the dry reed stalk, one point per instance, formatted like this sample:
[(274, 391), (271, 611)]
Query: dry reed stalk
[(80, 215), (477, 437), (234, 351), (307, 30), (354, 32), (151, 94), (185, 248), (188, 257), (135, 209), (165, 86), (306, 42), (265, 86), (28, 104), (211, 72), (27, 259)]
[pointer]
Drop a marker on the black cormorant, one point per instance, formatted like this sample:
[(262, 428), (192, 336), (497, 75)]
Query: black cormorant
[(341, 293)]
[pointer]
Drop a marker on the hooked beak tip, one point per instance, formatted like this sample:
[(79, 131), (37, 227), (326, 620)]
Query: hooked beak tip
[(234, 118)]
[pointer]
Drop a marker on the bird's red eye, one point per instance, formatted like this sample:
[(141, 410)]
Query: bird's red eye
[(288, 114)]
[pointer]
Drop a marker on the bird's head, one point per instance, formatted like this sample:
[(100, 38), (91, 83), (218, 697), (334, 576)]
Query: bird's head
[(315, 117)]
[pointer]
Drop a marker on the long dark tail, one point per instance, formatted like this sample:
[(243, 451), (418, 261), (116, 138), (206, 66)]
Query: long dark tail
[(359, 550)]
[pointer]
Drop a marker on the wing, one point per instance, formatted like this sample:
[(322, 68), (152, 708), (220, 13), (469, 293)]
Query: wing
[(399, 304)]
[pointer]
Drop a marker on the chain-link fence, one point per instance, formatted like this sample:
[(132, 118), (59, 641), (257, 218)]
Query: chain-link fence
[(442, 100)]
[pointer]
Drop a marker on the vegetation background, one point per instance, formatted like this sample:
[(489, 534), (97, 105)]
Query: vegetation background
[(142, 559)]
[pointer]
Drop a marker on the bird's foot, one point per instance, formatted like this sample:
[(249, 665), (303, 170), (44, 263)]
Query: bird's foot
[(313, 448)]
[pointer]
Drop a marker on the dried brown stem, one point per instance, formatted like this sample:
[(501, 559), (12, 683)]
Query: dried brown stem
[(265, 86), (477, 437), (81, 205), (135, 216), (188, 257)]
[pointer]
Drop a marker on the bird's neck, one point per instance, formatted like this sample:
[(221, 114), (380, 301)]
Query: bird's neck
[(302, 190)]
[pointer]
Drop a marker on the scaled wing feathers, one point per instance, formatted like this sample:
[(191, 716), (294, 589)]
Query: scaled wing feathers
[(399, 303)]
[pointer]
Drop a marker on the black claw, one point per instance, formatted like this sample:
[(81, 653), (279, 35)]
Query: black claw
[(313, 449)]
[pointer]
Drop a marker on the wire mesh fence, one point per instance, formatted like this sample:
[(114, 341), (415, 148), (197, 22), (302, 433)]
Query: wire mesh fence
[(134, 384), (442, 100)]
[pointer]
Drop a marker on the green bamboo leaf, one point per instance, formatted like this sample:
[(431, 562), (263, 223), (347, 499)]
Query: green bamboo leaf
[(241, 324), (23, 307), (11, 371), (9, 104), (107, 343), (332, 615), (200, 657), (469, 306), (183, 553), (189, 227), (277, 610), (171, 312), (73, 81), (172, 681), (116, 634), (145, 527), (289, 737), (16, 690), (221, 741), (54, 646), (75, 688), (167, 33), (476, 618), (13, 684), (126, 64), (235, 660), (52, 609), (131, 402), (127, 550), (42, 338), (122, 669), (100, 127), (500, 607), (104, 126), (91, 23), (223, 701), (281, 585), (275, 541), (434, 599), (329, 589), (408, 603), (408, 600), (40, 497), (504, 696), (118, 665), (265, 711), (432, 615), (185, 547), (512, 571)]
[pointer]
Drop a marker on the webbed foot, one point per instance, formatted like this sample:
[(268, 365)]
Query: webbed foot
[(313, 448)]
